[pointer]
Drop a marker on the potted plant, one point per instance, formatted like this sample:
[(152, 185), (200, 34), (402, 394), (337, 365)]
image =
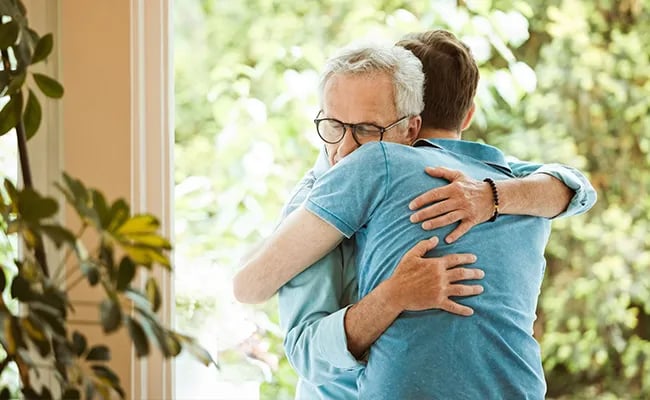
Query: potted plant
[(35, 336)]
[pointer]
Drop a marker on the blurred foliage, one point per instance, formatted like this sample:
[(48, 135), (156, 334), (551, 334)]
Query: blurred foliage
[(40, 356), (561, 81)]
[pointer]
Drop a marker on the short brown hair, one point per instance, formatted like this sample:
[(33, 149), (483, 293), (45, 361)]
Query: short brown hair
[(451, 77)]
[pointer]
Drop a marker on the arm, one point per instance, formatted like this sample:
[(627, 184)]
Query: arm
[(418, 284), (543, 190), (327, 336), (583, 194), (312, 308), (300, 240)]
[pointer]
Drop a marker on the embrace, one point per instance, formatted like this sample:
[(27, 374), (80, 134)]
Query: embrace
[(409, 261)]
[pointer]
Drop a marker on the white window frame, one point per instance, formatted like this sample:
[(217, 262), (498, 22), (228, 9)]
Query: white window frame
[(152, 144)]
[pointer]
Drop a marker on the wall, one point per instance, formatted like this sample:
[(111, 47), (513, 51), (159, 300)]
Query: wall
[(112, 131)]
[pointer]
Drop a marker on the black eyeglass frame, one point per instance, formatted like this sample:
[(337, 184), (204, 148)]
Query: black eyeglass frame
[(353, 128)]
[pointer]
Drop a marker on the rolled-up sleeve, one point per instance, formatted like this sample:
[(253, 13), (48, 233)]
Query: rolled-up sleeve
[(584, 194), (311, 313)]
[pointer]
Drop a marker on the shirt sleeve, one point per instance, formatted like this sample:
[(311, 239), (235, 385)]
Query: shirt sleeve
[(313, 305), (348, 194), (312, 313), (584, 194)]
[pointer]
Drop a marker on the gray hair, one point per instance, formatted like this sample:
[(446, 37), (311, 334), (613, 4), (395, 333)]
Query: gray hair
[(404, 67)]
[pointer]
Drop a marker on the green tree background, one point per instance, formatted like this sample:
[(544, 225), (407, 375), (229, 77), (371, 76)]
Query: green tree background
[(561, 81)]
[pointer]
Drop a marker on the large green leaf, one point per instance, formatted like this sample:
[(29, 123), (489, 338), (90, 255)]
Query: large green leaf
[(99, 353), (43, 48), (167, 342), (80, 198), (144, 255), (106, 374), (8, 34), (139, 300), (56, 298), (139, 224), (110, 315), (125, 274), (50, 317), (153, 293), (90, 269), (101, 207), (79, 343), (58, 234), (33, 207), (107, 258), (37, 333), (119, 214), (150, 240), (10, 114), (13, 335), (32, 116), (49, 86), (15, 83), (76, 188), (21, 289), (138, 337)]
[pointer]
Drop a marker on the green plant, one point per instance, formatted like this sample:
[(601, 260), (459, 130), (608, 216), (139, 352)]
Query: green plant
[(116, 245)]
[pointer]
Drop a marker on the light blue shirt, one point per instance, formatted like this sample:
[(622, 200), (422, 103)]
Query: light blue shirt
[(313, 304)]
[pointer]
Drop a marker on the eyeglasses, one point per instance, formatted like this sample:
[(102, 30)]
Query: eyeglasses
[(332, 130)]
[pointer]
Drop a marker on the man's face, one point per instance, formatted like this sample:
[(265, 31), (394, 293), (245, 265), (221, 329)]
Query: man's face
[(367, 98)]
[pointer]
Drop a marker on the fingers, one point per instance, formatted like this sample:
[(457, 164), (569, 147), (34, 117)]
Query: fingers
[(442, 220), (454, 260), (455, 308), (460, 230), (437, 209), (460, 291), (462, 274), (422, 247), (443, 173), (431, 196)]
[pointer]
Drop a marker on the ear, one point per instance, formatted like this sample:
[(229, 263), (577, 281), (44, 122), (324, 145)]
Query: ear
[(415, 123), (468, 118)]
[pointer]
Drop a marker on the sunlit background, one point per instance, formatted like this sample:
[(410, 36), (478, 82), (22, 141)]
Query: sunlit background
[(561, 81)]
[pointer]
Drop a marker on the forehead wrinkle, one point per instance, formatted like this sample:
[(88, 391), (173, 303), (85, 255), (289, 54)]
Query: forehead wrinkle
[(374, 110)]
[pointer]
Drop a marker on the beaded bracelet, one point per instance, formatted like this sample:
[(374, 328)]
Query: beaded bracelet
[(495, 196)]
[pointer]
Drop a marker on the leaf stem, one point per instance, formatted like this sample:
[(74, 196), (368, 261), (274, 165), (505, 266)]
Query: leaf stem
[(61, 266), (75, 282), (39, 251)]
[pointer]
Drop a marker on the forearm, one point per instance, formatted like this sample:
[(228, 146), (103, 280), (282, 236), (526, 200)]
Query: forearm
[(583, 194), (366, 320), (538, 195), (301, 240), (418, 283)]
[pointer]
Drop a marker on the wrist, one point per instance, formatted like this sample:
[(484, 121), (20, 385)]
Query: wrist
[(495, 199), (389, 294)]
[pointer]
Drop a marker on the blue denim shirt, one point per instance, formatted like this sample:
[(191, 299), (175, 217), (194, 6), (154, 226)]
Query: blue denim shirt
[(313, 304)]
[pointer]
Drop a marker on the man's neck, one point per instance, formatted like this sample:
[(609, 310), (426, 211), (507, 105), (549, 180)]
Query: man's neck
[(433, 133)]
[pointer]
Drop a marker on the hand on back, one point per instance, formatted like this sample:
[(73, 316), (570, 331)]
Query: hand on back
[(464, 199), (420, 283)]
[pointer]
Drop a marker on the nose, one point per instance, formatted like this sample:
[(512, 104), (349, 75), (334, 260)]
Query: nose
[(346, 146)]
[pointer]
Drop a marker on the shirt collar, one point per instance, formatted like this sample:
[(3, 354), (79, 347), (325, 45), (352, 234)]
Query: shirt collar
[(479, 151)]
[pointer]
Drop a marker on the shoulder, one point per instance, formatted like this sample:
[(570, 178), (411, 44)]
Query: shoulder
[(370, 156)]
